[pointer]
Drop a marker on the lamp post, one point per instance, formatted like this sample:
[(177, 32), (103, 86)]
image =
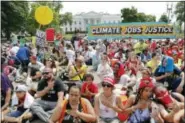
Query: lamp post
[(169, 11)]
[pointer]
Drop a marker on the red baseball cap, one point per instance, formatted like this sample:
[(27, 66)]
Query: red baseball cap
[(33, 57), (109, 80)]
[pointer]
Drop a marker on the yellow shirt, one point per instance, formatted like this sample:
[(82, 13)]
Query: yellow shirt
[(153, 64), (138, 47), (77, 78)]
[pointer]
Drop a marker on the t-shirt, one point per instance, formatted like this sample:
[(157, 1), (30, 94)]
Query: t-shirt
[(52, 95), (70, 55), (140, 47), (77, 78), (14, 49), (92, 87), (35, 67)]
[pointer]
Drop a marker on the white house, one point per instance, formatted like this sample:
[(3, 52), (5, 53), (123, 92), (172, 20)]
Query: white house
[(80, 21)]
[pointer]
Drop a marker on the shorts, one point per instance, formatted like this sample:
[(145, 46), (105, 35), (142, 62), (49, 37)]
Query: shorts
[(173, 86)]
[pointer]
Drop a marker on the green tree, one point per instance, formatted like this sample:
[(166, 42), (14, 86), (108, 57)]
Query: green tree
[(129, 15), (150, 18), (66, 18), (179, 12), (132, 15), (56, 7), (13, 16), (163, 18)]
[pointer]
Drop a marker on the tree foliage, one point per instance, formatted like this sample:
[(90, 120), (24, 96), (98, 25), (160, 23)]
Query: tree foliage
[(58, 19), (132, 15), (13, 16), (179, 12), (163, 18)]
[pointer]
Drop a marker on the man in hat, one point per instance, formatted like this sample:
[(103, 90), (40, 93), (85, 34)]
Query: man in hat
[(49, 92), (22, 100)]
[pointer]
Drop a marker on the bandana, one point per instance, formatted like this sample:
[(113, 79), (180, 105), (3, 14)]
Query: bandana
[(146, 82), (164, 97)]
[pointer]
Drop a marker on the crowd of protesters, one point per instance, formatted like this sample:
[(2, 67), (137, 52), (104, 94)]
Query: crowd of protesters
[(53, 83)]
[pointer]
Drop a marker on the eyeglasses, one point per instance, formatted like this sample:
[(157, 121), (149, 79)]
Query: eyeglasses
[(106, 85), (45, 73)]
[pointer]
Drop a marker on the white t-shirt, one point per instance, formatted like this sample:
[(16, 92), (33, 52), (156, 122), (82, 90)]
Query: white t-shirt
[(70, 55), (104, 71), (15, 49)]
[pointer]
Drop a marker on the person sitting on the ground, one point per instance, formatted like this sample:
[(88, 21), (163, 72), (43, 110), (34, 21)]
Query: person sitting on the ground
[(154, 62), (34, 72), (22, 100), (23, 55), (140, 107), (88, 55), (75, 109), (89, 88), (48, 93), (78, 70), (6, 89), (107, 103), (96, 59), (171, 104), (170, 75), (104, 69), (118, 69), (145, 56), (50, 63)]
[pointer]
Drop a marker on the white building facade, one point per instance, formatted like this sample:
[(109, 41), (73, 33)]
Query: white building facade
[(80, 21)]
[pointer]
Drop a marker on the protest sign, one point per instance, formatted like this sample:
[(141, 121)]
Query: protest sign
[(135, 30), (40, 38)]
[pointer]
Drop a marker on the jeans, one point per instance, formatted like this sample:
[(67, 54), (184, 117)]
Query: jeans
[(43, 109), (15, 113)]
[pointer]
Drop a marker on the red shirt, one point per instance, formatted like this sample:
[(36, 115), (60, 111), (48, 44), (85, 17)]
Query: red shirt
[(92, 87)]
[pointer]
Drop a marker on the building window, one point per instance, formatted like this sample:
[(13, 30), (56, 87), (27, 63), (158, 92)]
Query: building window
[(66, 29), (98, 21), (71, 29), (75, 22), (79, 23), (86, 21), (92, 21)]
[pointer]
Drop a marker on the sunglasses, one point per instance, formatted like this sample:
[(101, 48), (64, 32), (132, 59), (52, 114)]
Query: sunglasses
[(45, 73), (107, 85)]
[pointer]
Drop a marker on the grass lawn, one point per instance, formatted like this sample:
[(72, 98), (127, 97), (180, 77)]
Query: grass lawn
[(68, 36)]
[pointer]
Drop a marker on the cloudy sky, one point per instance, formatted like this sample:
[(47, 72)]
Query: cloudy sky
[(154, 8)]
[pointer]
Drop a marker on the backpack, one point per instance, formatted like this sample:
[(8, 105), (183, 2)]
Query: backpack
[(64, 104)]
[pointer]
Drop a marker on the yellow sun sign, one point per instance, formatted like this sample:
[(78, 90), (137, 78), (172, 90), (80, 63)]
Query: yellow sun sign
[(44, 15)]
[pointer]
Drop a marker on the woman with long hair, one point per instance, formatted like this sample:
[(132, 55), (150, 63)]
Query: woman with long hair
[(50, 63), (140, 107)]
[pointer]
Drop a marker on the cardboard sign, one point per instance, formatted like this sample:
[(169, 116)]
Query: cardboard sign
[(40, 38), (156, 30)]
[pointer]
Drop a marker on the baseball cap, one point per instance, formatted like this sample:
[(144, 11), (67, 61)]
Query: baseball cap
[(21, 88), (109, 80), (34, 57)]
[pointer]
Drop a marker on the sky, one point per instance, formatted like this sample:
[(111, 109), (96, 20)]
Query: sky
[(154, 8)]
